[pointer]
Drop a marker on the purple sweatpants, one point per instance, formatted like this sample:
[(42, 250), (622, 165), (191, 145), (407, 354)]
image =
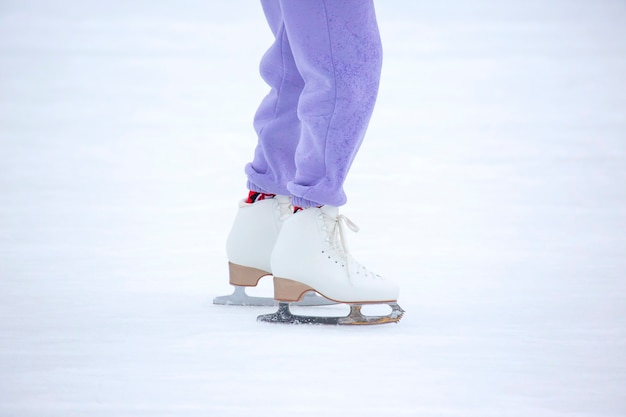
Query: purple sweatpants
[(323, 69)]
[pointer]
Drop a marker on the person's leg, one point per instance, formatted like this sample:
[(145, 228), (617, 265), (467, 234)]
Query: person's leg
[(276, 120), (337, 49), (338, 53), (259, 217)]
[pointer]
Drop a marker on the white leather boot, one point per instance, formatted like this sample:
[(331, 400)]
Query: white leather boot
[(252, 237), (310, 254), (249, 247)]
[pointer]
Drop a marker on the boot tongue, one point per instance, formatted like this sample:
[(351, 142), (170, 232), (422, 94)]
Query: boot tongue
[(330, 211), (330, 216), (284, 205)]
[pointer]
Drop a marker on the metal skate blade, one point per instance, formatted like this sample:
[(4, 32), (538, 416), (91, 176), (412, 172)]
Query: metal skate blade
[(355, 317), (239, 297)]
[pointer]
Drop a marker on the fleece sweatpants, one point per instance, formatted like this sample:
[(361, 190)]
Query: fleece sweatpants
[(323, 69)]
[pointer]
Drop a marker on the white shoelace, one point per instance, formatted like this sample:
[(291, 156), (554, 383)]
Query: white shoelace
[(337, 236), (338, 242), (284, 207)]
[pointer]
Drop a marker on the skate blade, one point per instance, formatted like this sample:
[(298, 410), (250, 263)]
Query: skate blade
[(355, 317), (239, 297)]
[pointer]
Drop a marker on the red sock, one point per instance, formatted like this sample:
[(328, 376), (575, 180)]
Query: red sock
[(254, 196), (297, 209)]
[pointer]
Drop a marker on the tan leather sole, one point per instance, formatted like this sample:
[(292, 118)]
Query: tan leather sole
[(245, 276), (288, 290)]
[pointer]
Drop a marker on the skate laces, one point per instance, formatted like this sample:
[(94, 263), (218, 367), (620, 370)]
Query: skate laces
[(338, 234), (335, 227), (284, 207)]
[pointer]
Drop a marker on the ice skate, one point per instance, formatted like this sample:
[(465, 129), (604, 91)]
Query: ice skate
[(311, 255), (249, 247)]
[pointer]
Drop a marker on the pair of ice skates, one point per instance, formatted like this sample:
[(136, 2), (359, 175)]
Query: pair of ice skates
[(307, 255)]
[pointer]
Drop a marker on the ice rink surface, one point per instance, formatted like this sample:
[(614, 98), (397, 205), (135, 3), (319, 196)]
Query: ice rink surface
[(491, 186)]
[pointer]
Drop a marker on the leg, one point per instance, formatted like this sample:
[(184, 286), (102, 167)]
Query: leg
[(257, 224), (276, 120), (336, 47)]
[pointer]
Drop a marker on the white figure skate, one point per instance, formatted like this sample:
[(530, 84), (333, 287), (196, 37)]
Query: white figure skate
[(310, 255), (249, 247)]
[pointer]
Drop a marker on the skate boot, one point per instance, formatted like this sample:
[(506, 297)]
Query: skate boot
[(249, 247), (311, 254)]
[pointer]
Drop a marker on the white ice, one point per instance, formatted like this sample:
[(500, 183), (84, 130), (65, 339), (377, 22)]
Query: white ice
[(491, 186)]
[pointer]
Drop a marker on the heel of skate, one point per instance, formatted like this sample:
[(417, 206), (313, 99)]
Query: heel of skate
[(245, 276), (242, 277), (287, 290)]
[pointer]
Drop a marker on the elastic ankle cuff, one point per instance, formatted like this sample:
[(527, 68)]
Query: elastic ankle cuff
[(304, 203)]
